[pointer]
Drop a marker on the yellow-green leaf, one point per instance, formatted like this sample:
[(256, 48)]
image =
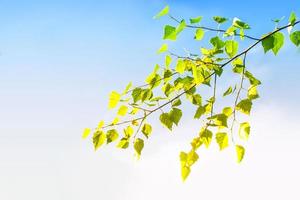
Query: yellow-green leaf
[(205, 136), (252, 93), (231, 48), (168, 60), (128, 131), (244, 130), (227, 111), (240, 152), (114, 99), (199, 34), (195, 20), (86, 133), (98, 139), (185, 171), (169, 33), (180, 67), (163, 12), (100, 124), (123, 144), (138, 146), (123, 110), (222, 140), (244, 106), (175, 115), (166, 120), (147, 129), (228, 91), (163, 48), (112, 135)]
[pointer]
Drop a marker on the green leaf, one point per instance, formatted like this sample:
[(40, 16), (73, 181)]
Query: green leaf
[(274, 42), (114, 99), (199, 112), (86, 133), (180, 67), (192, 157), (185, 171), (239, 24), (222, 140), (168, 61), (166, 120), (244, 130), (292, 18), (175, 115), (123, 110), (278, 42), (252, 93), (253, 81), (136, 94), (205, 137), (268, 43), (128, 131), (219, 120), (180, 27), (219, 19), (163, 12), (231, 48), (169, 33), (183, 158), (176, 103), (197, 73), (217, 42), (295, 38), (112, 135), (123, 144), (99, 138), (240, 152), (163, 48), (199, 34), (196, 143), (228, 91), (138, 146), (195, 20), (244, 106), (127, 88), (146, 130), (227, 111)]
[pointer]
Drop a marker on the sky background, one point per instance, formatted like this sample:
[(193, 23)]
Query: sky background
[(60, 59)]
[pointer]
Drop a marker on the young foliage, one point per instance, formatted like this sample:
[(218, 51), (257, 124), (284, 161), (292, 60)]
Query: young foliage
[(181, 80)]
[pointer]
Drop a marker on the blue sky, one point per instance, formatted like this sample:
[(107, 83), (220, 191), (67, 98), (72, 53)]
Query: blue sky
[(60, 59)]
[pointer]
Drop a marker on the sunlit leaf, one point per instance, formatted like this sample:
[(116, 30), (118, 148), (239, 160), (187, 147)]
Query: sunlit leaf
[(147, 129), (295, 38), (244, 106), (175, 115), (123, 110), (240, 152), (244, 130), (114, 99), (99, 139), (111, 135), (219, 19), (138, 146), (163, 48), (86, 133), (163, 12), (169, 33), (231, 48), (166, 120), (199, 34), (195, 20), (222, 140)]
